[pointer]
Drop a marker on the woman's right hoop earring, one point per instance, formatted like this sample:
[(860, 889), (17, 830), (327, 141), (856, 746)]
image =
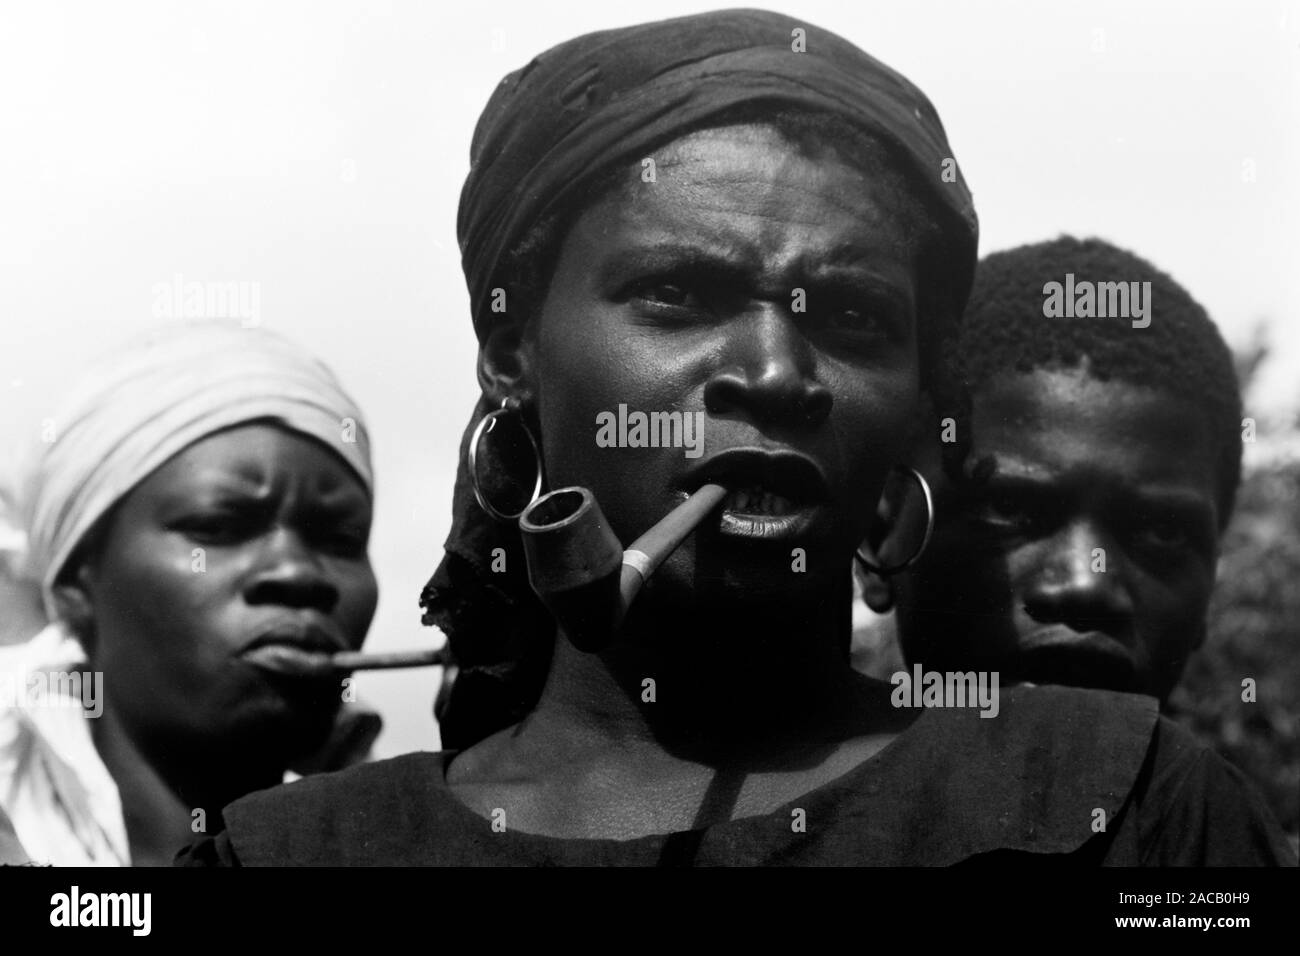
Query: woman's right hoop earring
[(925, 540), (509, 405)]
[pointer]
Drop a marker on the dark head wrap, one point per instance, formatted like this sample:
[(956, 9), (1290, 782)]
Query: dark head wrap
[(607, 98)]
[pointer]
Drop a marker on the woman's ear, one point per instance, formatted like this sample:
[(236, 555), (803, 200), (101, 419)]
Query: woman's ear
[(890, 538), (74, 601), (877, 591), (506, 362)]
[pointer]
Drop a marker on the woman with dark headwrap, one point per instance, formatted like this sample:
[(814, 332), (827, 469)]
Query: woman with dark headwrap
[(197, 519), (744, 221)]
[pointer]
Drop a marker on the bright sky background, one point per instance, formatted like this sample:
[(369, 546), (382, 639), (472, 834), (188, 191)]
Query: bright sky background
[(318, 149)]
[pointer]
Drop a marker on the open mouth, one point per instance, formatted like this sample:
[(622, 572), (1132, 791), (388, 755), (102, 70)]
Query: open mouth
[(758, 501), (772, 494)]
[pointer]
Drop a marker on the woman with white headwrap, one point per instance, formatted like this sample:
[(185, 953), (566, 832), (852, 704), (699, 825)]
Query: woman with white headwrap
[(197, 517)]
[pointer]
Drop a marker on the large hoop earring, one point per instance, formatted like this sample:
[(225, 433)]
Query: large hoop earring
[(509, 406), (925, 540)]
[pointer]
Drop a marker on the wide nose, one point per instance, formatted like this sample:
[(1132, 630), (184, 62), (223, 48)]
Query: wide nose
[(1069, 586), (290, 573), (768, 373)]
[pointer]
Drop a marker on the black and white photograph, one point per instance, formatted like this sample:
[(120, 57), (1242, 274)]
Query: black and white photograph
[(824, 435)]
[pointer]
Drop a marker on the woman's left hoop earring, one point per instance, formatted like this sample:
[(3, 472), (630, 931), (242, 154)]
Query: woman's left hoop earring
[(509, 406), (925, 540)]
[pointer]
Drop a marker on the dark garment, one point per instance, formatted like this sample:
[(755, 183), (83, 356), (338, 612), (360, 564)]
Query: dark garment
[(1025, 786)]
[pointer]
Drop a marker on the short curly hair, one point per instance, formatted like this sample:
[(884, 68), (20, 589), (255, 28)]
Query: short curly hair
[(1180, 352)]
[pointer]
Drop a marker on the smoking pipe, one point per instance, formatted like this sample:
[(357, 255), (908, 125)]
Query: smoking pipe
[(581, 572), (289, 660), (576, 566)]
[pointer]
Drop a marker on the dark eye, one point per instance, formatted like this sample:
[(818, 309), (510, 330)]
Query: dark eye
[(1006, 511), (1005, 506), (1163, 532), (347, 540), (847, 319), (661, 292), (856, 323), (223, 528)]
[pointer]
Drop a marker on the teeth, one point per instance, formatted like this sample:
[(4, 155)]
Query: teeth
[(758, 501)]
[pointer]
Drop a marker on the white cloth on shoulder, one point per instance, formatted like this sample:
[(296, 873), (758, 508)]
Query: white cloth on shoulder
[(57, 793)]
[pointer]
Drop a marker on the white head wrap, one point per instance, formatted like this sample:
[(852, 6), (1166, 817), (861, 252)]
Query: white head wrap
[(140, 405)]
